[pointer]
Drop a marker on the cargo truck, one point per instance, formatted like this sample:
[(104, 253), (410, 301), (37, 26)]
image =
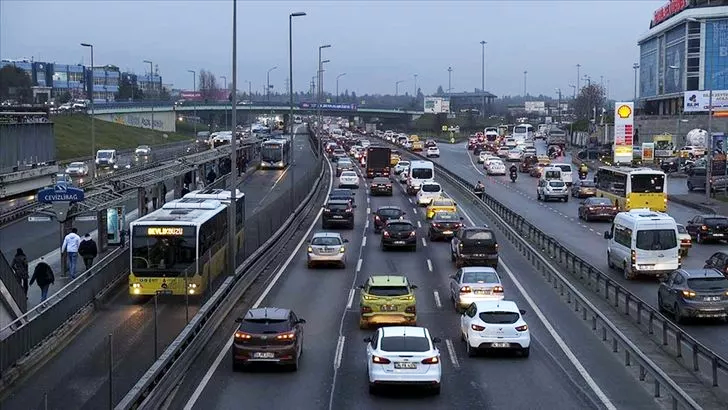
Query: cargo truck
[(378, 162)]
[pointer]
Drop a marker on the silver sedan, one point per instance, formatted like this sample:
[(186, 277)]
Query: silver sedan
[(326, 248), (474, 283)]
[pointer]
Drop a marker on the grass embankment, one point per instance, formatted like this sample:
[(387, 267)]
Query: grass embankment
[(73, 136)]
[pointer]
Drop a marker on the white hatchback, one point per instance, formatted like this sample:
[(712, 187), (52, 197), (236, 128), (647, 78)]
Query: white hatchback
[(433, 152), (403, 355), (429, 191), (495, 167), (349, 179), (495, 325)]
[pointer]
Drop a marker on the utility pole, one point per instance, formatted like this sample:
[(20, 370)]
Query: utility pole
[(525, 78), (233, 177), (578, 76), (93, 112), (194, 89), (415, 90), (396, 87), (151, 89), (635, 66), (267, 83), (290, 101), (482, 75), (449, 81)]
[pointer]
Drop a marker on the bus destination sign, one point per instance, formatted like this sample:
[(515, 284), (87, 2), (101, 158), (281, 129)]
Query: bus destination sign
[(165, 231)]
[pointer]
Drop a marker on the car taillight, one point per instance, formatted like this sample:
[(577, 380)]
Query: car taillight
[(477, 328), (498, 289), (376, 217), (348, 210), (465, 289), (385, 233), (436, 225), (688, 293), (704, 227), (286, 336), (410, 309), (242, 335), (633, 256), (380, 360), (431, 360), (412, 233), (522, 328)]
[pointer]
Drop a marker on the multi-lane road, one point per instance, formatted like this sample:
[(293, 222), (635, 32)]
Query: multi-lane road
[(567, 369), (561, 221), (77, 376)]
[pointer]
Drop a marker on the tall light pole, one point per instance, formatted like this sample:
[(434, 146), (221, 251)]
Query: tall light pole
[(337, 85), (482, 75), (709, 155), (318, 93), (415, 88), (224, 79), (396, 87), (578, 77), (449, 80), (194, 90), (321, 87), (226, 89), (635, 66), (151, 87), (525, 79), (233, 178), (93, 112), (290, 101), (558, 106), (267, 83)]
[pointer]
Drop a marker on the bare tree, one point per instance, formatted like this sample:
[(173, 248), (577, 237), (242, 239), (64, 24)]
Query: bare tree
[(208, 85), (590, 98)]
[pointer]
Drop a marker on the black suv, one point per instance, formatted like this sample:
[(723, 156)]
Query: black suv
[(268, 335), (708, 227), (384, 214), (399, 233), (338, 212), (474, 246), (380, 185)]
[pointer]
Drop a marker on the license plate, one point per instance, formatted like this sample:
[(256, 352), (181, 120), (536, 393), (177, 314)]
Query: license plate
[(405, 365), (647, 267), (389, 308), (263, 355), (500, 344), (399, 242), (718, 234), (447, 232), (482, 292), (338, 217), (711, 298)]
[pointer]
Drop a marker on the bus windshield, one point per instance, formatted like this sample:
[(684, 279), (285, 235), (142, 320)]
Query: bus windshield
[(648, 184), (162, 254), (273, 153)]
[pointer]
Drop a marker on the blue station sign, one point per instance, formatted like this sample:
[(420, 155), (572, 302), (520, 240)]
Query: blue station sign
[(61, 192)]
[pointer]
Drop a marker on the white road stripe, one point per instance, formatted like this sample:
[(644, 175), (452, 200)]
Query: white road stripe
[(369, 210), (350, 301), (409, 199), (419, 224), (358, 265), (451, 352), (368, 198), (429, 265), (424, 243), (363, 241), (366, 225), (339, 351), (413, 208), (436, 294)]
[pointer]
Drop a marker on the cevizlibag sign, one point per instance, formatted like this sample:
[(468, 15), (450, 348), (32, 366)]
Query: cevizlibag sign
[(61, 192), (623, 132)]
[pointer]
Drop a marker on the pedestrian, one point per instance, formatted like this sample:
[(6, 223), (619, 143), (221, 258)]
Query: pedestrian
[(88, 250), (70, 247), (185, 190), (43, 274), (20, 267)]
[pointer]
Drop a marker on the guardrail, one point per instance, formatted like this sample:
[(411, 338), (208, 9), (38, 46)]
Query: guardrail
[(528, 239), (156, 384), (11, 283)]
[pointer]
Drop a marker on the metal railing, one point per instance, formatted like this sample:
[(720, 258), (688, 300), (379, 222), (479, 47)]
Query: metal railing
[(528, 239), (8, 278)]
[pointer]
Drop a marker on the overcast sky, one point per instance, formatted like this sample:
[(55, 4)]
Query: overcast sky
[(376, 43)]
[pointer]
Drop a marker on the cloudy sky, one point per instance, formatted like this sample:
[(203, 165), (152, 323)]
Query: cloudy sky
[(376, 43)]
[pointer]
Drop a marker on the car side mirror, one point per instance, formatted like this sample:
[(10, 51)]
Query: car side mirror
[(455, 204), (346, 241), (607, 235), (404, 213), (367, 340), (707, 262), (361, 286), (301, 321), (436, 340), (522, 312), (413, 286), (239, 320)]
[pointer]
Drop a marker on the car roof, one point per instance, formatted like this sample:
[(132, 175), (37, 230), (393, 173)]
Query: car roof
[(77, 163), (496, 305), (380, 178), (430, 183), (394, 331), (701, 273), (439, 213), (268, 312), (387, 280), (477, 228), (399, 221), (389, 207), (326, 235), (443, 200), (712, 216)]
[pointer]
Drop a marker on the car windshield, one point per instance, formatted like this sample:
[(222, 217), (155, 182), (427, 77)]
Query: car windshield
[(380, 181), (480, 277), (648, 183), (76, 165), (404, 344), (497, 163), (388, 290), (564, 168), (338, 206), (553, 175), (348, 174), (599, 201), (153, 250), (399, 227), (422, 173), (431, 188), (103, 154), (265, 325), (344, 162), (587, 184), (478, 235), (519, 130), (716, 221), (556, 183), (442, 203), (656, 239), (499, 318), (681, 229), (446, 216), (403, 163), (389, 212), (326, 241), (714, 283)]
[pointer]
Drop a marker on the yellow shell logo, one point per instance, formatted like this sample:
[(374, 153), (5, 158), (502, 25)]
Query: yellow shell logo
[(624, 111)]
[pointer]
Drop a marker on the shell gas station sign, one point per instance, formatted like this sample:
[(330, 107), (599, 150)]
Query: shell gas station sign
[(623, 132)]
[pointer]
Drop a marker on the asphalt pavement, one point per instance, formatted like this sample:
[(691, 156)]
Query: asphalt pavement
[(77, 376), (332, 374), (585, 239)]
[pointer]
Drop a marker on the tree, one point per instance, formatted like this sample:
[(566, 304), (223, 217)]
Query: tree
[(207, 85), (64, 97), (15, 84), (353, 98), (164, 94), (128, 89), (440, 91), (589, 98)]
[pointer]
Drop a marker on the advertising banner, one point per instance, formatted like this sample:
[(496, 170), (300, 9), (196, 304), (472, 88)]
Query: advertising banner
[(623, 132), (718, 155), (436, 105), (648, 152), (115, 223), (698, 101), (664, 148)]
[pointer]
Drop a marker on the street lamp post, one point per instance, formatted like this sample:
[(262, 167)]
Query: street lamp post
[(267, 83), (233, 177), (482, 75), (525, 78), (449, 80), (396, 87), (151, 88), (415, 89), (290, 101), (574, 87), (93, 112), (318, 93), (194, 89), (558, 107), (578, 77), (337, 85), (635, 66), (321, 89), (225, 87)]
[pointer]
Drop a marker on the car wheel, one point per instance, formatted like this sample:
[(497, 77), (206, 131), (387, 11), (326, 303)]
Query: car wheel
[(609, 261), (690, 186), (310, 265), (384, 247), (628, 274), (431, 237), (372, 388), (538, 196), (586, 217), (526, 351), (294, 365), (566, 198)]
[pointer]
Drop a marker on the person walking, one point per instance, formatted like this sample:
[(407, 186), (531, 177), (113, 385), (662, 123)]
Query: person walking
[(43, 274), (20, 267), (185, 190), (70, 247), (88, 250)]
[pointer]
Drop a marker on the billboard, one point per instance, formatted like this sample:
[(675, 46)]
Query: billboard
[(536, 107), (664, 148), (718, 155), (648, 152), (699, 101), (716, 54), (623, 132), (436, 105)]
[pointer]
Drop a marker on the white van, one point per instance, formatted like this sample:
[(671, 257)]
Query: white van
[(643, 242), (106, 158), (419, 172), (522, 133), (567, 173), (551, 172)]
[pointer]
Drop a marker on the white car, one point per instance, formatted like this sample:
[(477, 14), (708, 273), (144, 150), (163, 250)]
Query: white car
[(433, 152), (552, 189), (511, 143), (401, 167), (77, 169), (429, 191), (472, 283), (484, 156), (349, 179), (495, 325), (326, 248), (404, 175), (514, 155), (495, 167), (403, 355)]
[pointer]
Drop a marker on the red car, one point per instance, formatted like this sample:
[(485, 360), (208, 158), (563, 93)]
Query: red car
[(597, 208)]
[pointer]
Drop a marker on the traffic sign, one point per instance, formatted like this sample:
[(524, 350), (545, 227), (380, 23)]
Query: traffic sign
[(86, 218), (39, 219), (61, 192)]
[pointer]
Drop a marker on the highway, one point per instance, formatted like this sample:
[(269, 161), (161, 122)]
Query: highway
[(77, 376), (332, 373), (560, 220)]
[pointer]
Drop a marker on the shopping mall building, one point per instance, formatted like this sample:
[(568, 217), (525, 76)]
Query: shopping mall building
[(682, 56)]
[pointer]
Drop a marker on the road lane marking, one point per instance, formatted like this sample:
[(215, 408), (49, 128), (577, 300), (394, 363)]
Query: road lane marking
[(368, 198), (414, 209), (419, 224), (358, 265), (424, 243), (339, 351), (409, 199), (436, 294), (369, 210), (554, 334), (429, 265), (350, 301), (213, 368), (364, 241), (451, 353), (366, 225)]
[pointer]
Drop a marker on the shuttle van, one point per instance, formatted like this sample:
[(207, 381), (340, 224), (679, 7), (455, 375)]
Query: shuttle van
[(522, 133), (567, 174), (643, 242), (419, 172)]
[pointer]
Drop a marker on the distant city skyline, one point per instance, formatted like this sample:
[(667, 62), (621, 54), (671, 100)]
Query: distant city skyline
[(376, 43)]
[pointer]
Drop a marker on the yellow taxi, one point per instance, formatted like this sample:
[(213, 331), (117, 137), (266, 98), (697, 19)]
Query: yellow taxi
[(440, 205), (394, 158), (544, 160), (387, 299)]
